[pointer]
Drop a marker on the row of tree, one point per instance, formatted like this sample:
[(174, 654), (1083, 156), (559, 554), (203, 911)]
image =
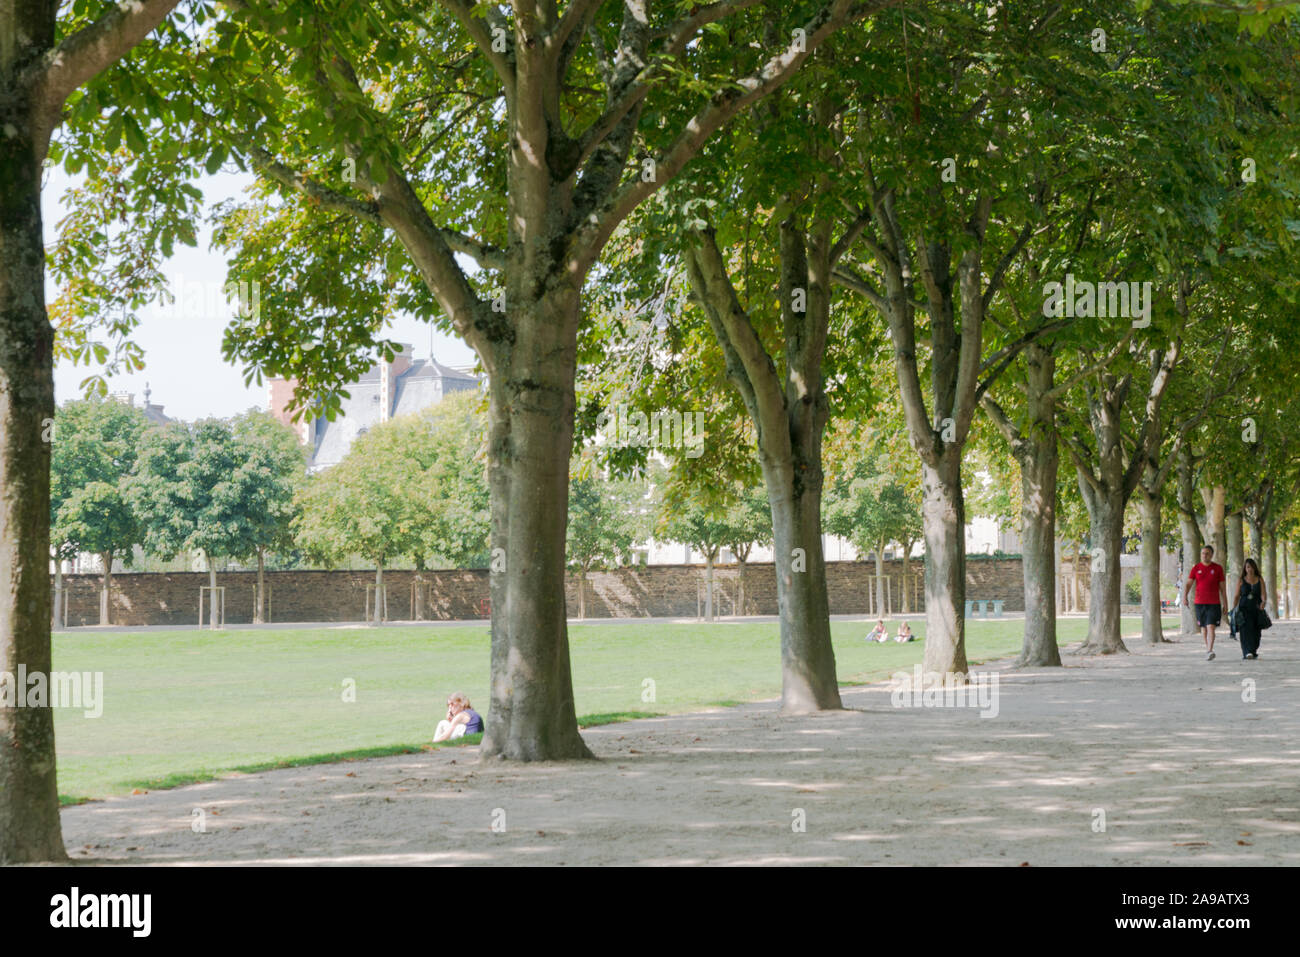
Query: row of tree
[(410, 489), (818, 177)]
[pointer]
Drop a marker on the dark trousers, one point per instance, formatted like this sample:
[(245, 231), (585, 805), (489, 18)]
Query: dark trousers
[(1249, 633)]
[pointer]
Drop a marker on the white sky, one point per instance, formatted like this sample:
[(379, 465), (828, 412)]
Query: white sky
[(183, 364)]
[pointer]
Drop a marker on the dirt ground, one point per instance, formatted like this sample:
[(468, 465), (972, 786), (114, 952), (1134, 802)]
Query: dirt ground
[(1148, 758)]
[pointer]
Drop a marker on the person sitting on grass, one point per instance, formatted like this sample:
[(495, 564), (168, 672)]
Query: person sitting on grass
[(879, 633), (461, 720), (904, 633)]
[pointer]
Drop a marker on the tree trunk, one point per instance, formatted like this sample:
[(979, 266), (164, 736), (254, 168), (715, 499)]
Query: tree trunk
[(708, 585), (213, 617), (1106, 526), (377, 617), (530, 438), (906, 577), (1286, 583), (1236, 557), (880, 579), (106, 589), (1039, 464), (740, 584), (59, 597), (1152, 625), (1190, 533), (1214, 522), (582, 593), (1269, 569), (789, 412), (808, 678), (259, 610), (944, 511), (29, 800)]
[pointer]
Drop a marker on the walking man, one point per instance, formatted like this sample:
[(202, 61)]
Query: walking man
[(1211, 596)]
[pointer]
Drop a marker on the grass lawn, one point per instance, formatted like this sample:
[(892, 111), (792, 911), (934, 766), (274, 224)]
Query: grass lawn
[(182, 706)]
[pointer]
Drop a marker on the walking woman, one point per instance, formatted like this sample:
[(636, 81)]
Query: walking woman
[(1249, 602)]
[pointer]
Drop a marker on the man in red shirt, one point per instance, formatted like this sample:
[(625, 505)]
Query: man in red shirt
[(1211, 596)]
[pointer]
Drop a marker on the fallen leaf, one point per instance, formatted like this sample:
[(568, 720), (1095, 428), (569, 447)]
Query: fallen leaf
[(350, 774), (633, 751), (1246, 843), (541, 833), (139, 791), (1024, 863)]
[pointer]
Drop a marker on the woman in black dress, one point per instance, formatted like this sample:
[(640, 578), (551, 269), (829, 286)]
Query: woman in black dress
[(1249, 601)]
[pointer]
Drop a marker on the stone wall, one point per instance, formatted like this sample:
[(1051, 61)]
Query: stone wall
[(671, 591)]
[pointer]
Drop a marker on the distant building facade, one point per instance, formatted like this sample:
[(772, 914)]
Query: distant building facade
[(387, 390)]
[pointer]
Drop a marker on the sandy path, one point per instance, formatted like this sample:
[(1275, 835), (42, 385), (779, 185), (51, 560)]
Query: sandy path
[(1160, 740)]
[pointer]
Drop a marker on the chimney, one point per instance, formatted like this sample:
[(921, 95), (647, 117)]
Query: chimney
[(279, 393), (389, 373)]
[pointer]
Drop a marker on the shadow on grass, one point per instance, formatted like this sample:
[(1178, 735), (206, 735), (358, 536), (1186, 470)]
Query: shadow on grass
[(183, 778)]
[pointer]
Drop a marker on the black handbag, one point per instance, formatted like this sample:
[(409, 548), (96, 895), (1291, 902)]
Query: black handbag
[(1264, 620)]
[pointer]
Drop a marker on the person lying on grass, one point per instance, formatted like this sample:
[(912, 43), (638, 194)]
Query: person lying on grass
[(879, 633), (461, 720), (904, 633)]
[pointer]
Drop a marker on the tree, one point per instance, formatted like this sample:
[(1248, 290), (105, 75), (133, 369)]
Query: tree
[(44, 59), (605, 522), (204, 488), (92, 455), (525, 157), (871, 511), (696, 515), (450, 445), (749, 523), (271, 466)]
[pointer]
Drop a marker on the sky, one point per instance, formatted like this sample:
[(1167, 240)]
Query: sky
[(182, 342)]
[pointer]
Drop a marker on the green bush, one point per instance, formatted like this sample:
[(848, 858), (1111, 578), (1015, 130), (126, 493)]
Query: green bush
[(1133, 590)]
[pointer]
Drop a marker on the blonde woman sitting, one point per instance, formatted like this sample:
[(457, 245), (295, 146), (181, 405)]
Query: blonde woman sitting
[(904, 633), (461, 720)]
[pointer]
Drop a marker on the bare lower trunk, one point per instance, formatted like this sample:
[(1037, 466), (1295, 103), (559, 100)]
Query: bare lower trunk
[(29, 799), (58, 594), (1106, 514), (1038, 476), (1269, 569), (530, 436), (708, 586), (106, 590), (808, 679), (377, 618), (944, 514), (582, 593), (880, 580), (905, 576), (1214, 532), (740, 586), (1152, 626), (1190, 534), (1236, 557), (259, 610), (213, 615), (1286, 583)]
